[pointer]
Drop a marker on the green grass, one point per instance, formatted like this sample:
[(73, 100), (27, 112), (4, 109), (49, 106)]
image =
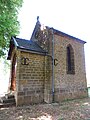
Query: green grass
[(61, 119)]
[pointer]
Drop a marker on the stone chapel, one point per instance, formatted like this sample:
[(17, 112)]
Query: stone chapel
[(50, 67)]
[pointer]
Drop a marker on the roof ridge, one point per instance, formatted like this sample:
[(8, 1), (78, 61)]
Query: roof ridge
[(22, 38), (60, 32), (38, 45)]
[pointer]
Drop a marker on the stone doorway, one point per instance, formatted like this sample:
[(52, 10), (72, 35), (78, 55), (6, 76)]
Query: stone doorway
[(13, 74)]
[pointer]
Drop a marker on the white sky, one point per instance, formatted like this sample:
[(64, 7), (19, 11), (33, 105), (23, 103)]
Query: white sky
[(4, 77), (69, 16)]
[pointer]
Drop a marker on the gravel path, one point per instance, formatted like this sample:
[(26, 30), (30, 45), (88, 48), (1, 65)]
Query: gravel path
[(69, 110)]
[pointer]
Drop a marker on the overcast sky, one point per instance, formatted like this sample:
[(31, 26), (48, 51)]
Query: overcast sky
[(69, 16)]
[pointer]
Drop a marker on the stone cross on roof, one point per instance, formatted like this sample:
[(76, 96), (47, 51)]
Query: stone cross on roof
[(37, 18)]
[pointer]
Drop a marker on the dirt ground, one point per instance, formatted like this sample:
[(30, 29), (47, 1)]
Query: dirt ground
[(69, 110)]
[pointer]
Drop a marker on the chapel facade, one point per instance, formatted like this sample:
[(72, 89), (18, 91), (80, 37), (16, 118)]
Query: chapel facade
[(50, 67)]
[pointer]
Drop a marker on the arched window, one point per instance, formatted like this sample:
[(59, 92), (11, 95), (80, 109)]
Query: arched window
[(70, 60)]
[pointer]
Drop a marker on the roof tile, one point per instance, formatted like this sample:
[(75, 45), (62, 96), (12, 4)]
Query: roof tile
[(29, 45)]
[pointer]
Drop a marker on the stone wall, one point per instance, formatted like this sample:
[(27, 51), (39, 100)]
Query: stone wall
[(69, 86), (30, 79)]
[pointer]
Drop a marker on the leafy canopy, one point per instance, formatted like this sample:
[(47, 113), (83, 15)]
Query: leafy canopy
[(9, 24)]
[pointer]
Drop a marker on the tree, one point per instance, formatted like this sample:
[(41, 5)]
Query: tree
[(9, 24)]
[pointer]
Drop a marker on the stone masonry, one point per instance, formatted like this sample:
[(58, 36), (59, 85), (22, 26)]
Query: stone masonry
[(30, 79), (69, 86)]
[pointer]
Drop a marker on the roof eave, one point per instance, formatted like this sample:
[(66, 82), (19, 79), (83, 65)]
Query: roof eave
[(10, 49), (32, 51), (64, 34), (60, 33)]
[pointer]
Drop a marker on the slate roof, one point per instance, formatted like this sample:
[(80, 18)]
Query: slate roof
[(28, 45), (55, 31), (24, 44), (31, 45), (65, 34)]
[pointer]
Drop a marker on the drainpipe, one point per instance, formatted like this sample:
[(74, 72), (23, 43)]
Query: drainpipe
[(53, 66)]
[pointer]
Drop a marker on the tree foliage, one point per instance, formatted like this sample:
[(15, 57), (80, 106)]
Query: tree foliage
[(9, 24)]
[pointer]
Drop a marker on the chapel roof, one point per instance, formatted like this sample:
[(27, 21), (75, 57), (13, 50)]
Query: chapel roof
[(28, 45), (58, 32), (31, 45), (72, 37), (55, 31), (24, 44)]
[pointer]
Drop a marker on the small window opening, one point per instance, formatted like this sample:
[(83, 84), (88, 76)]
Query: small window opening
[(70, 60)]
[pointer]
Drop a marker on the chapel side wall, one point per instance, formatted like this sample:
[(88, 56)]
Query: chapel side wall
[(69, 86), (30, 79)]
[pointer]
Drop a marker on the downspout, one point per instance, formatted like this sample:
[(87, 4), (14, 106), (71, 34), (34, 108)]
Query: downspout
[(53, 66)]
